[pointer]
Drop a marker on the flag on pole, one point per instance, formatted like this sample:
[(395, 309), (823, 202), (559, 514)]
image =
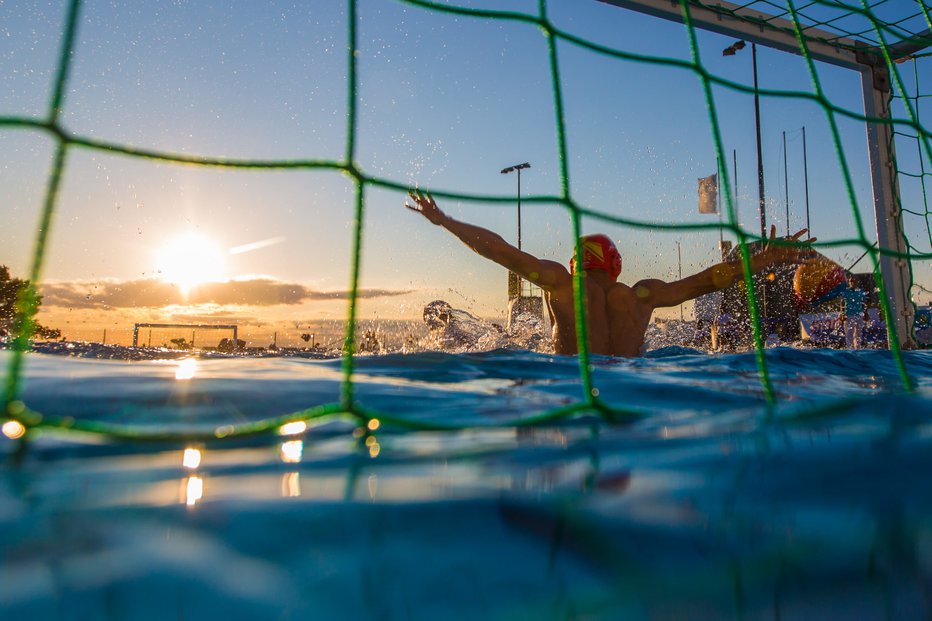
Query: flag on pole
[(708, 194)]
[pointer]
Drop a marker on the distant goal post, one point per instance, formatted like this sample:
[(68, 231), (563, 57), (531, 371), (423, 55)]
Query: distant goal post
[(194, 327)]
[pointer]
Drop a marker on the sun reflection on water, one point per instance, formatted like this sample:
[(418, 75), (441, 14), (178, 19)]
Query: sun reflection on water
[(186, 369), (193, 490), (291, 485), (292, 451), (13, 429), (373, 444), (192, 487), (192, 458)]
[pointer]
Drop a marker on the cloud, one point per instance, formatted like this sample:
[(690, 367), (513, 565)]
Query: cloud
[(200, 314), (152, 293)]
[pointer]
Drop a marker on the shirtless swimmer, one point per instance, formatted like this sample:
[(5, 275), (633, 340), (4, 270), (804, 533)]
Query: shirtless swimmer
[(618, 315)]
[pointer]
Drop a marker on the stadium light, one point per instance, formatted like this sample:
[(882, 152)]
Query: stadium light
[(518, 168), (731, 50)]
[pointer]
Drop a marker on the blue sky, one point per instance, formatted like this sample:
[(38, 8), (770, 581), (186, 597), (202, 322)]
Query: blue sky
[(444, 102)]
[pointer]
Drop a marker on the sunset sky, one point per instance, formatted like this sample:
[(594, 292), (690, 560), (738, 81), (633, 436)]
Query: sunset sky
[(444, 102)]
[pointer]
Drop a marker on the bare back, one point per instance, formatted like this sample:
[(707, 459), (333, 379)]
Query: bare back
[(618, 314), (618, 317)]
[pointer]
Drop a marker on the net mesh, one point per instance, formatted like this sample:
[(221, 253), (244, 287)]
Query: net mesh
[(833, 22)]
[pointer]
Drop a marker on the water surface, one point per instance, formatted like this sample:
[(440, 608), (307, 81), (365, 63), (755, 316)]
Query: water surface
[(697, 500)]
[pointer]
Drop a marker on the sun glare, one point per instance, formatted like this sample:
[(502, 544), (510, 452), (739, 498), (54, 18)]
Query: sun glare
[(191, 260)]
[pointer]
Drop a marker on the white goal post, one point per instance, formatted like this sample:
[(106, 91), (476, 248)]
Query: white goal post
[(778, 33)]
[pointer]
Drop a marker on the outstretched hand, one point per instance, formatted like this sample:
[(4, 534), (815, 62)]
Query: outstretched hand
[(425, 205), (786, 254)]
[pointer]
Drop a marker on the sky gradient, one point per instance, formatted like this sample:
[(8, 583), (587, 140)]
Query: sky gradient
[(444, 102)]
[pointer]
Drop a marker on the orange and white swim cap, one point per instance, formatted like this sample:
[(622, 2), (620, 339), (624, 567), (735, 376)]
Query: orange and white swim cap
[(599, 253)]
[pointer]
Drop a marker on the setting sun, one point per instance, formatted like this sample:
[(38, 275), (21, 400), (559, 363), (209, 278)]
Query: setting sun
[(190, 260)]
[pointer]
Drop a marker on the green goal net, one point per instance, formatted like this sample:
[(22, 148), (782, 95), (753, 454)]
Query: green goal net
[(880, 44)]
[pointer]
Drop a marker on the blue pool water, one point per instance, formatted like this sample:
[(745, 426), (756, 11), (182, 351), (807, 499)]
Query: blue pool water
[(699, 501)]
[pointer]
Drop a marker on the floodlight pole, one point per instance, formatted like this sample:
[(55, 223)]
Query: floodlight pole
[(786, 187), (718, 199), (806, 180), (721, 240), (518, 168), (734, 161), (731, 50), (514, 283), (760, 159), (679, 272)]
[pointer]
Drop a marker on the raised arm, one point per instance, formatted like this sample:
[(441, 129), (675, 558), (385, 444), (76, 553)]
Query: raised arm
[(721, 275), (544, 274)]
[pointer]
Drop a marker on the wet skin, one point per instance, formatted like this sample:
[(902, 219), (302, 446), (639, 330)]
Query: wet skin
[(617, 314)]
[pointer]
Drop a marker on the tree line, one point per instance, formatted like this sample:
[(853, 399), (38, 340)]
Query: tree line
[(18, 293)]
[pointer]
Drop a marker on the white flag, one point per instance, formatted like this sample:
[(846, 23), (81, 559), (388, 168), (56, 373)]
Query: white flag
[(708, 194)]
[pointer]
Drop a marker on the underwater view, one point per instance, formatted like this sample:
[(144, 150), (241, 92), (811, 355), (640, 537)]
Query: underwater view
[(470, 496)]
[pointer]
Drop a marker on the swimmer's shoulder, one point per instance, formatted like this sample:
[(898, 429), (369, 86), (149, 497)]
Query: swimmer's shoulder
[(554, 265), (551, 275), (620, 295), (644, 290), (558, 270)]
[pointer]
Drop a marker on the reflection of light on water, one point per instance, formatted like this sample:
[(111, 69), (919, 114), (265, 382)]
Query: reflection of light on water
[(374, 447), (292, 451), (186, 369), (193, 490), (684, 431), (13, 429), (291, 485), (373, 485), (192, 458), (293, 428)]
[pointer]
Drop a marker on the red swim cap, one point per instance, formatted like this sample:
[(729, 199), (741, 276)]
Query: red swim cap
[(599, 253)]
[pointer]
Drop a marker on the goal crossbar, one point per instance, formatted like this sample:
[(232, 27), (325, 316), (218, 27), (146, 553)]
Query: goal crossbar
[(742, 22), (868, 60), (187, 326)]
